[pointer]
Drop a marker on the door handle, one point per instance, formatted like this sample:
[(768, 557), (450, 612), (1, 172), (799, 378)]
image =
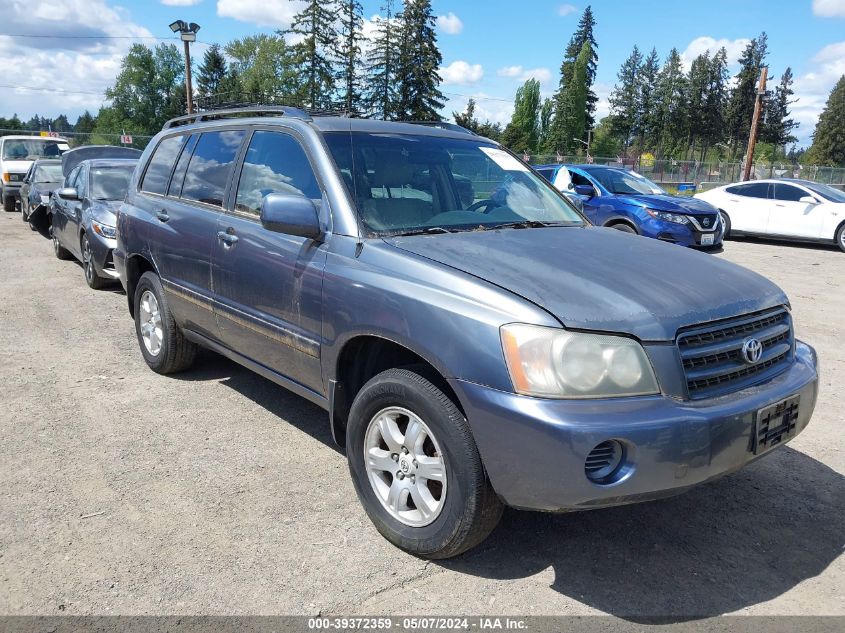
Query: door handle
[(162, 216), (228, 239)]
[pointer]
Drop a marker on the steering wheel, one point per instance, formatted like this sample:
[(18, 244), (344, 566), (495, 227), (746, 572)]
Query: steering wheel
[(486, 204)]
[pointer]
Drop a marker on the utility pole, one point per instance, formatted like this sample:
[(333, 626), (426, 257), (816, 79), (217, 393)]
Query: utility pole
[(755, 123)]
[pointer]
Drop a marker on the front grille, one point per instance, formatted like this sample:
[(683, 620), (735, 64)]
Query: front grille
[(705, 221), (712, 353)]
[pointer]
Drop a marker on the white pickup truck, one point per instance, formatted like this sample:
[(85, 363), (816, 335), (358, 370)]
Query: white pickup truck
[(16, 156)]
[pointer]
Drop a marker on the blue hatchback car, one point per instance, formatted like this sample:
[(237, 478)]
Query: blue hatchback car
[(625, 200)]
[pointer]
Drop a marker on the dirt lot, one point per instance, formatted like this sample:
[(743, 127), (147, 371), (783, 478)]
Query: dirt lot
[(216, 492)]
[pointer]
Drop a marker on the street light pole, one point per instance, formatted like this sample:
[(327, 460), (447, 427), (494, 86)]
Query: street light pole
[(755, 123), (187, 33)]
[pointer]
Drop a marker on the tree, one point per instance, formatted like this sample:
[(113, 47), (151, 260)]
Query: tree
[(382, 59), (466, 119), (715, 102), (624, 98), (740, 108), (583, 34), (605, 142), (670, 102), (829, 136), (419, 59), (547, 110), (351, 34), (698, 84), (262, 70), (570, 119), (212, 71), (647, 96), (315, 52), (778, 127), (83, 127), (522, 133)]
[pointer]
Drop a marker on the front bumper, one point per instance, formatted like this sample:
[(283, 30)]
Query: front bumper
[(12, 190), (682, 234), (534, 449), (102, 249)]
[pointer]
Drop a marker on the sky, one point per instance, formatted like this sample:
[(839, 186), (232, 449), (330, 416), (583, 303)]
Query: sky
[(489, 47)]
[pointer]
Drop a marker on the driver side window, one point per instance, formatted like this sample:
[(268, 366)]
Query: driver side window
[(578, 179)]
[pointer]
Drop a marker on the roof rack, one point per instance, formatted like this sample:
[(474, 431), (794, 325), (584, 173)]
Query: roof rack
[(443, 125), (231, 113)]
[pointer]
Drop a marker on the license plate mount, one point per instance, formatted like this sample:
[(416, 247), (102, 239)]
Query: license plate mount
[(707, 239), (775, 424)]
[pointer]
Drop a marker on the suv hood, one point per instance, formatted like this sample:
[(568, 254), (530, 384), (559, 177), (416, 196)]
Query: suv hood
[(675, 204), (602, 279), (17, 166)]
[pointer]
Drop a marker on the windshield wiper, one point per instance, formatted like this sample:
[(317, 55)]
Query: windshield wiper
[(521, 224), (429, 230)]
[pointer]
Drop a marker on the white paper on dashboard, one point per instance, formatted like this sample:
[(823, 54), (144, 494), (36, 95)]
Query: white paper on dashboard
[(503, 159)]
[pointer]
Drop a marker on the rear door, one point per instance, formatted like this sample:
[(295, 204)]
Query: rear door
[(791, 217), (268, 285), (185, 187), (749, 205)]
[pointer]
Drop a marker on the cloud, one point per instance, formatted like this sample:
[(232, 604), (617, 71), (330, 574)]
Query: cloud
[(180, 3), (812, 89), (829, 8), (830, 53), (275, 13), (566, 9), (487, 108), (543, 75), (450, 23), (64, 74), (461, 72), (705, 43)]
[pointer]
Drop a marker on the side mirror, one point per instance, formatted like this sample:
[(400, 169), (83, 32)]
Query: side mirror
[(68, 193), (585, 190), (290, 214), (808, 200)]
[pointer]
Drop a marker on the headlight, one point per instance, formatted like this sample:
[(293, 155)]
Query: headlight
[(677, 218), (555, 363), (45, 199), (105, 230)]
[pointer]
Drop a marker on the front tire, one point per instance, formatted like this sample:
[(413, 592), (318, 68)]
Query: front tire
[(416, 468), (726, 222), (24, 213), (840, 238), (164, 347), (625, 228), (9, 204), (88, 267)]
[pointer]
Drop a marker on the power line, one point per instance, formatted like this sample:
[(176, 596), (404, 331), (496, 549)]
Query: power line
[(64, 134), (87, 37), (61, 90)]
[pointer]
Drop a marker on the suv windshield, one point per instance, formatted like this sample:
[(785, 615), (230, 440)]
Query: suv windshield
[(110, 183), (404, 183), (829, 193), (30, 149), (621, 181), (48, 173)]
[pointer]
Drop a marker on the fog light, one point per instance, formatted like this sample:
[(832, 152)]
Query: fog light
[(604, 462)]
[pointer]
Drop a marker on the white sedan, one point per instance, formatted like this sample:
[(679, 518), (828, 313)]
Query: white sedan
[(783, 209)]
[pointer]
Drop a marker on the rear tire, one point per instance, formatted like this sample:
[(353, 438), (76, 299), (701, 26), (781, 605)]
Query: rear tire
[(164, 347), (461, 508), (60, 251), (726, 222)]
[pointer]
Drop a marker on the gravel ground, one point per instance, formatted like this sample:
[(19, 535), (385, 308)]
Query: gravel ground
[(216, 492)]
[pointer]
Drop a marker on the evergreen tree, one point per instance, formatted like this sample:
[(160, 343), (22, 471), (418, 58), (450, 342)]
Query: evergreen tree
[(83, 127), (647, 89), (351, 34), (419, 59), (522, 133), (778, 127), (670, 103), (315, 52), (466, 119), (698, 84), (211, 72), (624, 98), (829, 137), (382, 60), (715, 102), (571, 103), (740, 108), (546, 112)]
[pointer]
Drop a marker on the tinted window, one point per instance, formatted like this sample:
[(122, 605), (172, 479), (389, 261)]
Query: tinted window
[(788, 193), (826, 192), (274, 163), (211, 166), (175, 188), (548, 174), (80, 182), (110, 183), (751, 190), (71, 177), (161, 164), (578, 179)]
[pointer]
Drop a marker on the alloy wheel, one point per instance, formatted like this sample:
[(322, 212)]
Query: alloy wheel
[(88, 260), (150, 323), (405, 466)]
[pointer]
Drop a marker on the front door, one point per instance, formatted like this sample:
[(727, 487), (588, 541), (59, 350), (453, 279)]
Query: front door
[(791, 217), (268, 285), (749, 206)]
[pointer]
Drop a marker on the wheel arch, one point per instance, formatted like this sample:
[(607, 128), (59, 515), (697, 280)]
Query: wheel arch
[(136, 265), (364, 356), (616, 220)]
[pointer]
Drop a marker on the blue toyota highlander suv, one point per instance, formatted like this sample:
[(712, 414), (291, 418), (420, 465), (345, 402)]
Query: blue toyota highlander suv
[(625, 200), (475, 342)]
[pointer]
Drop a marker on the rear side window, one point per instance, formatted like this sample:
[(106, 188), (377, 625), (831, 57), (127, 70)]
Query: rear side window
[(211, 166), (751, 190), (274, 163), (548, 174), (161, 164), (175, 188), (788, 193)]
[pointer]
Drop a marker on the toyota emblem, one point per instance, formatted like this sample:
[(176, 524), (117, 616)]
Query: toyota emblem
[(752, 350)]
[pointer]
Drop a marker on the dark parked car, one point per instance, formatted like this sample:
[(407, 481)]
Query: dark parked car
[(43, 177), (82, 222), (473, 350)]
